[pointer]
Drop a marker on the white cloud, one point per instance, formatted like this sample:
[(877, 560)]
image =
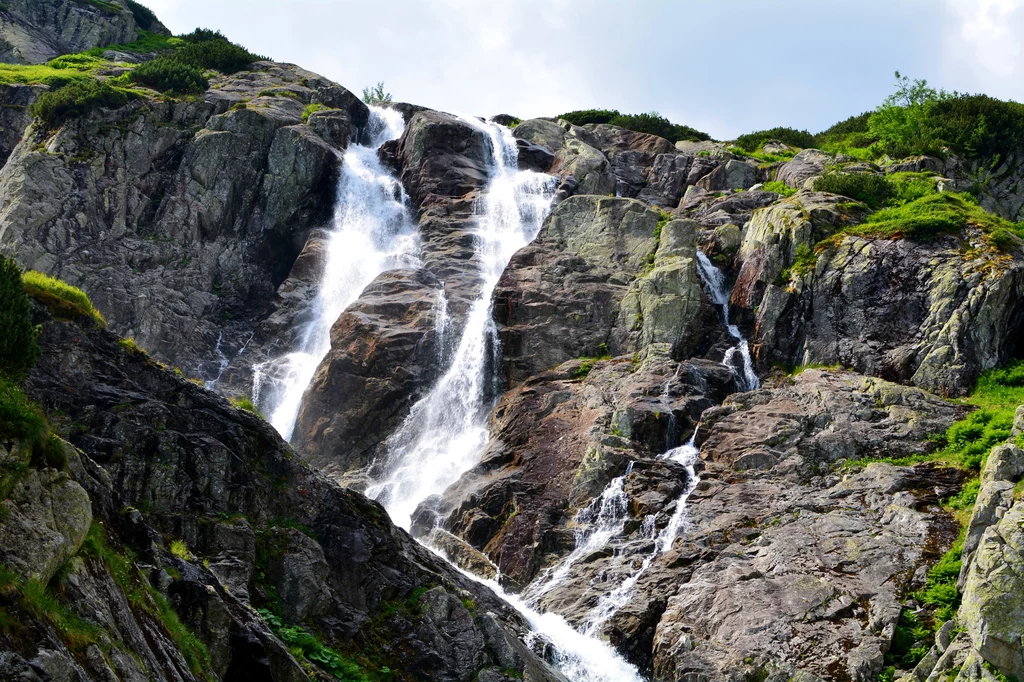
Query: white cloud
[(984, 46)]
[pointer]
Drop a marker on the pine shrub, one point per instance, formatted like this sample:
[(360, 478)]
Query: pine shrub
[(18, 347), (170, 76)]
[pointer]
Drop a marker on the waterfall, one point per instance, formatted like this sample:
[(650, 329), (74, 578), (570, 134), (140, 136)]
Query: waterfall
[(372, 232), (595, 526), (686, 455), (714, 281), (446, 431)]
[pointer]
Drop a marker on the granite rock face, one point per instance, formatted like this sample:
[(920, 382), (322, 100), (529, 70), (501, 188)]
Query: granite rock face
[(179, 218), (175, 461)]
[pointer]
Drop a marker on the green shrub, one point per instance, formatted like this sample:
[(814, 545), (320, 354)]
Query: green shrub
[(243, 403), (305, 646), (907, 187), (310, 110), (206, 49), (871, 189), (901, 122), (779, 188), (63, 300), (169, 75), (56, 107), (751, 142), (18, 347), (375, 94), (978, 125), (651, 122), (855, 125), (144, 17)]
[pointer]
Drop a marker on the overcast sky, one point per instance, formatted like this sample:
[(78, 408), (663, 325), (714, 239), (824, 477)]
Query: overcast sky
[(722, 66)]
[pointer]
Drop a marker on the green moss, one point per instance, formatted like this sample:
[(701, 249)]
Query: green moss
[(63, 300), (931, 216), (310, 110)]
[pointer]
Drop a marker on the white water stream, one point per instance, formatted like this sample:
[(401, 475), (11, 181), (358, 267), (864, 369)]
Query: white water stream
[(446, 432), (714, 281), (372, 232)]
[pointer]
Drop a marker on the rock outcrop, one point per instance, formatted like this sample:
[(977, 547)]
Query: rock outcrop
[(932, 314), (157, 459), (180, 218), (36, 31)]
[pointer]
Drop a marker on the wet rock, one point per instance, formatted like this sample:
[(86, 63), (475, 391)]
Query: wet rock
[(384, 353), (821, 417)]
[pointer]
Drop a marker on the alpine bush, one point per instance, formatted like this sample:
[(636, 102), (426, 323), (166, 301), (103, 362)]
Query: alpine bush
[(651, 122), (56, 107), (206, 49), (169, 75), (18, 347), (795, 138), (873, 190)]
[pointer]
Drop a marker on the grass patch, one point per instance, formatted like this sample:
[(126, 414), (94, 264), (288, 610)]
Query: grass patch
[(147, 43), (244, 403), (804, 262), (587, 365), (63, 300), (143, 597), (179, 549), (130, 346), (34, 74), (931, 216)]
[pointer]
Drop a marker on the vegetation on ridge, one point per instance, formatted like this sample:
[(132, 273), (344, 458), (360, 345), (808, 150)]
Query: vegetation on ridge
[(651, 122)]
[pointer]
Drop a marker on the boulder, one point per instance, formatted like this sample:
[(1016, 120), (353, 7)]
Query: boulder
[(36, 31), (807, 164)]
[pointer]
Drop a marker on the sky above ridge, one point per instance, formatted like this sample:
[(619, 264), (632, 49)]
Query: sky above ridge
[(723, 66)]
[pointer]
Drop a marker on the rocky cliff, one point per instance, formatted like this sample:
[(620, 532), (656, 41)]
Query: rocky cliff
[(731, 415)]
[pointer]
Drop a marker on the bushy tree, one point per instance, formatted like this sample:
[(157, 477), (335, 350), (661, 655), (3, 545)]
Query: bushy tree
[(18, 347), (902, 123), (76, 98)]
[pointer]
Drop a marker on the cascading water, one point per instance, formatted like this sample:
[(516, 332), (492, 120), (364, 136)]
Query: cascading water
[(714, 280), (446, 431), (372, 232), (595, 526)]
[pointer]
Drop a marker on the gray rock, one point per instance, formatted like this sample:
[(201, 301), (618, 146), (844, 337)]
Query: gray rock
[(559, 297), (299, 571), (806, 165), (902, 310), (47, 516), (36, 31)]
